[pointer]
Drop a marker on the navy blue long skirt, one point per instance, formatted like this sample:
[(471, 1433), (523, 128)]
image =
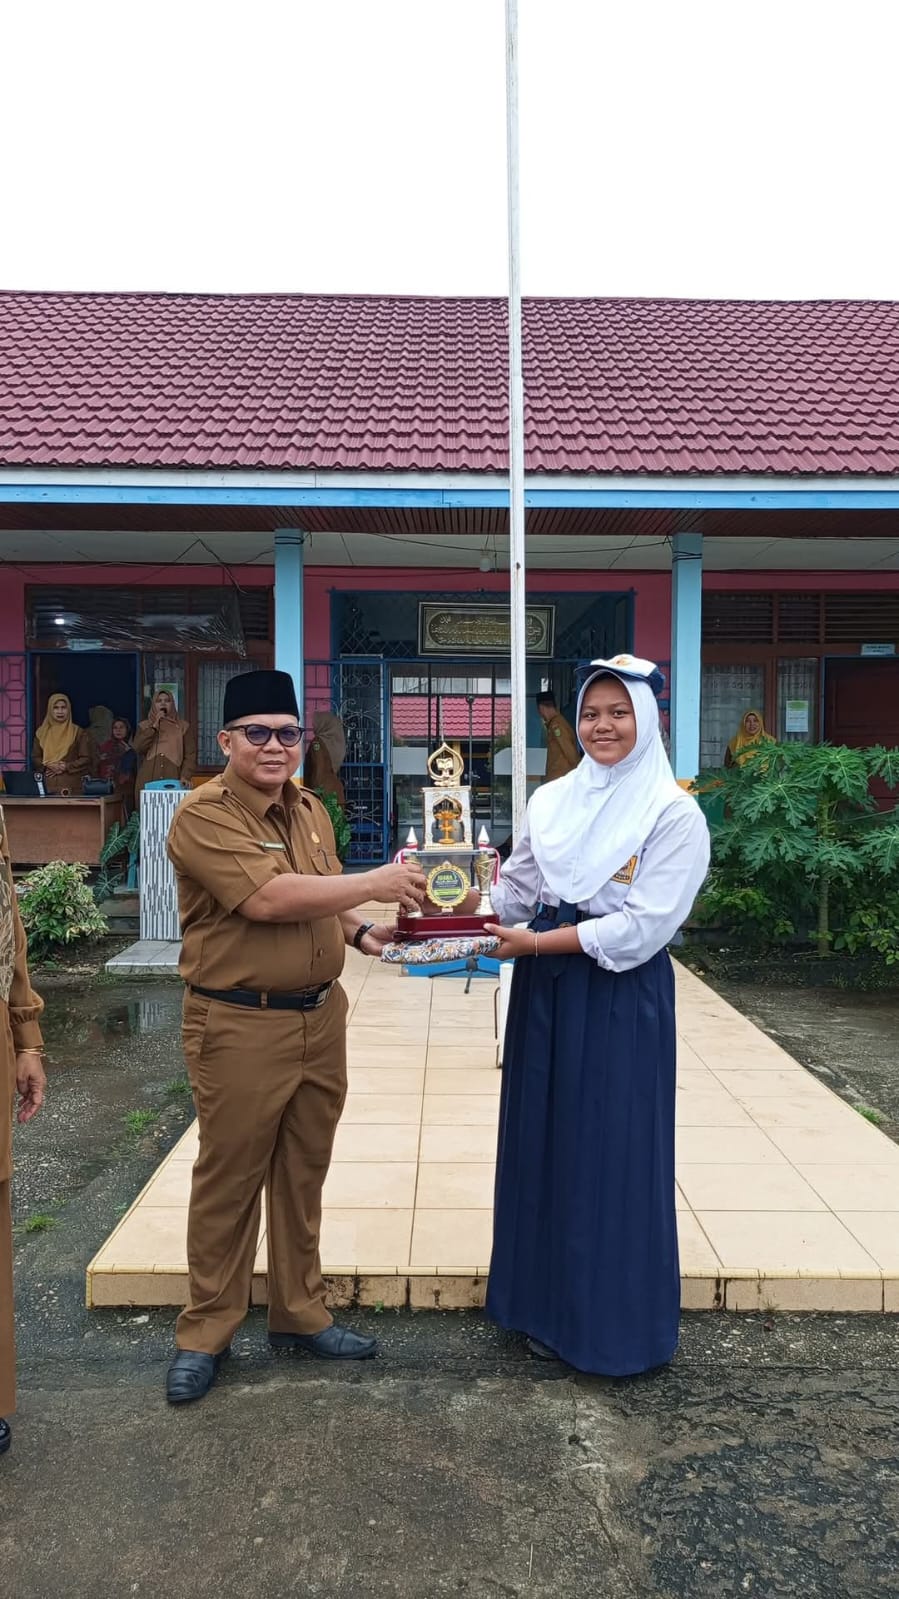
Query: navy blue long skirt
[(585, 1236)]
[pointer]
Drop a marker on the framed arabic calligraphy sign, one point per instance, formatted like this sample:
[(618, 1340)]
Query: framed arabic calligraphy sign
[(459, 629)]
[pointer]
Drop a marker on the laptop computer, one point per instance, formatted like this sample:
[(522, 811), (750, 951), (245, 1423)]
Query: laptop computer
[(21, 785)]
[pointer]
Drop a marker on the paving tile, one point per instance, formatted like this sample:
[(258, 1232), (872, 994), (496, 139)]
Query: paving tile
[(812, 1146), (780, 1082), (374, 1184), (386, 1079), (456, 1057), (388, 1291), (357, 1237), (188, 1147), (454, 1081), (376, 1141), (454, 1242), (447, 1293), (695, 1109), (387, 1057), (813, 1240), (393, 1109), (878, 1232), (458, 1143), (747, 1188), (708, 1146), (821, 1110), (804, 1293), (170, 1185), (461, 1185), (701, 1292), (449, 1110), (856, 1185), (695, 1250), (151, 1235)]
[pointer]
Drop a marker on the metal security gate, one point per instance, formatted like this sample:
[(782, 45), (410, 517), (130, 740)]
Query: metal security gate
[(355, 688)]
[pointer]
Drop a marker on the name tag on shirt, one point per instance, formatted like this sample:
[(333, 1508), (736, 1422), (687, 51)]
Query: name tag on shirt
[(626, 874), (266, 845)]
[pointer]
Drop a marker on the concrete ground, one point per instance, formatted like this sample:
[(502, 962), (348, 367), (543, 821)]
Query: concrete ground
[(765, 1461)]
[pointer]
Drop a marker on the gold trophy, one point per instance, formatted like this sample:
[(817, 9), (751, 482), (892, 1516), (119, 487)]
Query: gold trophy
[(452, 863)]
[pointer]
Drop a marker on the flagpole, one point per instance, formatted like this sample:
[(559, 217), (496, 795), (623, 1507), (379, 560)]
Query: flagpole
[(517, 573)]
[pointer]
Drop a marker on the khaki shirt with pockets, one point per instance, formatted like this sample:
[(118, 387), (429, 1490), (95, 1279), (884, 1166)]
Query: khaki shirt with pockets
[(227, 840)]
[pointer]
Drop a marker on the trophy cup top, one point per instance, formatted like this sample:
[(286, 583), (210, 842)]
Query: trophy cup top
[(445, 767)]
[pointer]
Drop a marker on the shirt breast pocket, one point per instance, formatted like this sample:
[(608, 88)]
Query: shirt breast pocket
[(324, 862)]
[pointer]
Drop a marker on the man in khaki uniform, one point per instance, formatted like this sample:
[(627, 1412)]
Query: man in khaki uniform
[(563, 753), (22, 1073), (265, 919)]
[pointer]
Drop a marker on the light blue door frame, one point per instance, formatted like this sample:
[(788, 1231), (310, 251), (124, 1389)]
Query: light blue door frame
[(289, 608), (686, 652)]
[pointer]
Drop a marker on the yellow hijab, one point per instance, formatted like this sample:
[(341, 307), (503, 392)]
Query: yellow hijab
[(743, 743), (57, 738)]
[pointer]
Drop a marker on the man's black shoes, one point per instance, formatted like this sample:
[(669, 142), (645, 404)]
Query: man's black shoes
[(191, 1375), (333, 1343)]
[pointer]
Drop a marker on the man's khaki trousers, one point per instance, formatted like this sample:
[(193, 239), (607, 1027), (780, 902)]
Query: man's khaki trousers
[(7, 1334), (269, 1086)]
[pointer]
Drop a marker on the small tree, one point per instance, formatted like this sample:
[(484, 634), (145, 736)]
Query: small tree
[(58, 908), (342, 833), (801, 839)]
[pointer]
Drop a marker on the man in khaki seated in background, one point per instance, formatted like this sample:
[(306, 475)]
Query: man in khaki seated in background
[(265, 918)]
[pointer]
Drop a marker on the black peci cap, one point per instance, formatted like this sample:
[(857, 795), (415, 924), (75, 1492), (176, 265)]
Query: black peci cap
[(260, 694)]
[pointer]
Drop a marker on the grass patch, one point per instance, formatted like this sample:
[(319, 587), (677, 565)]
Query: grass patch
[(178, 1088), (871, 1115), (40, 1223), (139, 1122)]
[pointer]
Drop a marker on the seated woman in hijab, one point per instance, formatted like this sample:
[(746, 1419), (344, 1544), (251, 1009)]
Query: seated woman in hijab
[(585, 1259), (118, 762), (326, 755), (748, 739), (62, 753), (165, 744)]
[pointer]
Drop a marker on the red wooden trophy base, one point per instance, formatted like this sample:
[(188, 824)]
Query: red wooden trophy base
[(438, 924)]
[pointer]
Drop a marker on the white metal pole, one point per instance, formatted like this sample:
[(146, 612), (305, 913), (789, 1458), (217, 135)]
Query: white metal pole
[(517, 574)]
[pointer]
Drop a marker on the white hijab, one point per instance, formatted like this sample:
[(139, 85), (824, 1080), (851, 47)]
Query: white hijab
[(587, 825)]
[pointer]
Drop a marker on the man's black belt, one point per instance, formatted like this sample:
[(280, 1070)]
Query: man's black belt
[(306, 999)]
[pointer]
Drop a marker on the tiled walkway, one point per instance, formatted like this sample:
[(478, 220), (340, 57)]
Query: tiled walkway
[(787, 1197)]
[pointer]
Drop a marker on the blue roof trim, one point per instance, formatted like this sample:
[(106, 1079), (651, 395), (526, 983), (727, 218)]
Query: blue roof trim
[(798, 499)]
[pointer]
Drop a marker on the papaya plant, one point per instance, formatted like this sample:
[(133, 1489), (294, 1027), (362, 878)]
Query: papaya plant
[(799, 846)]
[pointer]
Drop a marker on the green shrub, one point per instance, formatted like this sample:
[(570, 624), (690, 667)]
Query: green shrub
[(799, 848), (341, 826), (58, 908)]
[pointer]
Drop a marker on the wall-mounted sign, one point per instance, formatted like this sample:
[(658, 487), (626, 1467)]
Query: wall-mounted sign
[(482, 629), (796, 716), (878, 649)]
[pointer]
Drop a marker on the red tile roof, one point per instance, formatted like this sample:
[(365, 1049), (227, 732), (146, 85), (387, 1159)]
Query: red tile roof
[(409, 717), (381, 383)]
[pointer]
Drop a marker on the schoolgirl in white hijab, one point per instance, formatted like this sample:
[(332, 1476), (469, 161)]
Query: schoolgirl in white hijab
[(619, 841), (585, 1260)]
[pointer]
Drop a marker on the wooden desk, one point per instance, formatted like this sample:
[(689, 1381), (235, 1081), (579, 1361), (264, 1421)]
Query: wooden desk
[(42, 830)]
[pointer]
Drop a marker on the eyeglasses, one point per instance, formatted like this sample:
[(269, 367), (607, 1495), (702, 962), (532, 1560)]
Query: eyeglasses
[(256, 733)]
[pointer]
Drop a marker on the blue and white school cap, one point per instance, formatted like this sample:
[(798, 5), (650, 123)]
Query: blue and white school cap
[(628, 667)]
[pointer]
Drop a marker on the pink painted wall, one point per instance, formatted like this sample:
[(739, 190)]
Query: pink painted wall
[(652, 590)]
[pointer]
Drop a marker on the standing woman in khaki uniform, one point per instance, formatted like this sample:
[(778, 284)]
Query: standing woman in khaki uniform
[(265, 919), (63, 752), (165, 745), (22, 1073)]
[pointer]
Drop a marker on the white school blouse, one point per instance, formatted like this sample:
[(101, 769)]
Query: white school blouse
[(639, 911)]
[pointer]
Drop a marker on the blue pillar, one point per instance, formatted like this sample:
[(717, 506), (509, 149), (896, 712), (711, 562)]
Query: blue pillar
[(289, 607), (686, 652)]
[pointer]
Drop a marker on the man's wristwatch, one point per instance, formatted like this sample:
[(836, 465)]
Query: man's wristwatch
[(361, 930)]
